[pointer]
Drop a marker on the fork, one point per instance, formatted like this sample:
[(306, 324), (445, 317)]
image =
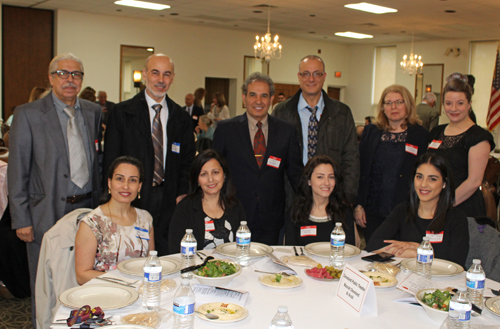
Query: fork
[(301, 251), (281, 273), (117, 281)]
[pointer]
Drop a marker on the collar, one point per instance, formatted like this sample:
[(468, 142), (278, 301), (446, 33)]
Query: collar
[(303, 104), (60, 105), (253, 122)]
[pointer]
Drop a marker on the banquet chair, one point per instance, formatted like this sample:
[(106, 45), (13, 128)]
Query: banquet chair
[(484, 244), (56, 266)]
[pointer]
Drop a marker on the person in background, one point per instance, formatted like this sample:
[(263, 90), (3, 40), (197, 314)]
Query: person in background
[(388, 152), (219, 110), (115, 231), (465, 144), (281, 98), (35, 94), (88, 95), (428, 211), (471, 80), (369, 119), (211, 208), (102, 100), (319, 204), (427, 111), (204, 128), (194, 111), (199, 95), (359, 132)]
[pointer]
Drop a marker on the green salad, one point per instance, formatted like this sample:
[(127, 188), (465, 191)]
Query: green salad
[(216, 269), (439, 300)]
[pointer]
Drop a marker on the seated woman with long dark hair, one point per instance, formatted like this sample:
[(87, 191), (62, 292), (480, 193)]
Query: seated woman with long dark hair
[(210, 209), (428, 212), (320, 203)]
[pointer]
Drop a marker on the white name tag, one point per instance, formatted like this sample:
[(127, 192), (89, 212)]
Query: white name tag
[(274, 162), (435, 144), (434, 237), (141, 233), (308, 230), (96, 145), (411, 149), (176, 148), (209, 225), (195, 117)]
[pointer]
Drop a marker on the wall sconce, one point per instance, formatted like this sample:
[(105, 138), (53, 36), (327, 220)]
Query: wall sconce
[(137, 79), (428, 88)]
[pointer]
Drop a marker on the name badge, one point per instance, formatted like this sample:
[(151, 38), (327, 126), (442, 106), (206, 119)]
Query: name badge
[(411, 149), (435, 144), (176, 148), (96, 145), (209, 225), (141, 233), (195, 117), (308, 230), (274, 162), (434, 237)]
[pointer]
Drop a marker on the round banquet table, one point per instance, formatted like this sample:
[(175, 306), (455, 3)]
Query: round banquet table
[(312, 305)]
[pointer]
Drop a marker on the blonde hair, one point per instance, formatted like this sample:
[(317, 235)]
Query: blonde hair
[(411, 113)]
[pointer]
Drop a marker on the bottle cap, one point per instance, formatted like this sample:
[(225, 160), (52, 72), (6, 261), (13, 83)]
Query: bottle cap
[(243, 222), (185, 282), (463, 289), (282, 309), (338, 224), (153, 253), (189, 231), (476, 261), (426, 238)]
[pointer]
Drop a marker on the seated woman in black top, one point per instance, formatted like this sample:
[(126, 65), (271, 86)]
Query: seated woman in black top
[(320, 203), (210, 209), (428, 212)]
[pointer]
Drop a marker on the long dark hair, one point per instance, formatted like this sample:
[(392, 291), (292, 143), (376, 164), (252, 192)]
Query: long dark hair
[(118, 161), (303, 203), (446, 197), (227, 196)]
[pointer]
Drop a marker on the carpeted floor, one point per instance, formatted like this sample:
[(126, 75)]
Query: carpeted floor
[(15, 313)]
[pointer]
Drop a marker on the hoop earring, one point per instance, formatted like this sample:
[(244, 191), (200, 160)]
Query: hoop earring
[(139, 195)]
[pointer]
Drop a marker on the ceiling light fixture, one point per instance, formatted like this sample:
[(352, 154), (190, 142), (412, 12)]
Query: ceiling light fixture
[(353, 35), (370, 8), (142, 4), (265, 47), (412, 64)]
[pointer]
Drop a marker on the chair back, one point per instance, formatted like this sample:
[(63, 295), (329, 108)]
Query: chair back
[(484, 244)]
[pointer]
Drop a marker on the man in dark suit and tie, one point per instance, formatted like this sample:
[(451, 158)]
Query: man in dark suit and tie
[(53, 163), (195, 112), (260, 150), (102, 100), (157, 131)]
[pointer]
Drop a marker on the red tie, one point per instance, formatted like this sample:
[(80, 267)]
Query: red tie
[(259, 145)]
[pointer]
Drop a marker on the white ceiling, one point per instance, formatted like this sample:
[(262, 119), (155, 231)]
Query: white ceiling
[(314, 19)]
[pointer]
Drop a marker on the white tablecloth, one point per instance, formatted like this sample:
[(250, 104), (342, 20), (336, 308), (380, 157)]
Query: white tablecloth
[(312, 305)]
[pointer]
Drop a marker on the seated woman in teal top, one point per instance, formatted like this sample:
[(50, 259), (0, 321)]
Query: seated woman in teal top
[(205, 129)]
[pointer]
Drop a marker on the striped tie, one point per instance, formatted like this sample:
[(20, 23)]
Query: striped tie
[(157, 136)]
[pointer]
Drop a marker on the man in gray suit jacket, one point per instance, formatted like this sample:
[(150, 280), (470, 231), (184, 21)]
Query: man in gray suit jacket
[(44, 184)]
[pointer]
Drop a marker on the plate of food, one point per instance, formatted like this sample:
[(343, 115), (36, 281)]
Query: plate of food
[(327, 273), (257, 250), (440, 267), (227, 312), (322, 249), (217, 272), (435, 302), (381, 280), (135, 266), (280, 281), (299, 261)]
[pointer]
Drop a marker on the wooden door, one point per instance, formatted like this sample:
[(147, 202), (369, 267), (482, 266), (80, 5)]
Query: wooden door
[(216, 85)]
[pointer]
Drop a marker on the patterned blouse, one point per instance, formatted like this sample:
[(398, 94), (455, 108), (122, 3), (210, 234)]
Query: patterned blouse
[(116, 243)]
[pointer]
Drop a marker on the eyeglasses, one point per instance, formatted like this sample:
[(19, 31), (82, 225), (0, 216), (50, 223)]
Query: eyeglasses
[(398, 103), (307, 75), (63, 74)]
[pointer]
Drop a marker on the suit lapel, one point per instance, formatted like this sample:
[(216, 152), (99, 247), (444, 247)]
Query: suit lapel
[(89, 117), (272, 137), (53, 126), (141, 116), (244, 135)]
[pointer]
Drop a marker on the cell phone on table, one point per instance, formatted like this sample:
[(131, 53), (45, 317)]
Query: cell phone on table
[(380, 257)]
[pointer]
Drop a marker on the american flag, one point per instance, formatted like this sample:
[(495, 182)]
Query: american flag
[(493, 118)]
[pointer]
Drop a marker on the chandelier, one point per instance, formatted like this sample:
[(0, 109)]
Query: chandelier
[(412, 64), (265, 47)]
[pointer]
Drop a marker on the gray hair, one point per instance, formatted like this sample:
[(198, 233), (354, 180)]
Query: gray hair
[(62, 57), (206, 120), (257, 76), (159, 55), (430, 97), (313, 57)]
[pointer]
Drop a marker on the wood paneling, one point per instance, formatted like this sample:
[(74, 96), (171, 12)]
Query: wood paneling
[(334, 93), (27, 45), (216, 85), (288, 89)]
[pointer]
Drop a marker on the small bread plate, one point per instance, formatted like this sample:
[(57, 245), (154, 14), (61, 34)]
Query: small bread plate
[(287, 282), (440, 267), (135, 266), (322, 249), (493, 305), (317, 278), (381, 280), (227, 312), (257, 250), (107, 297)]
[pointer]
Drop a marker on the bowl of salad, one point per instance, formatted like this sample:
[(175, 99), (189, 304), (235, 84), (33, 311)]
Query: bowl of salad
[(435, 303), (217, 272)]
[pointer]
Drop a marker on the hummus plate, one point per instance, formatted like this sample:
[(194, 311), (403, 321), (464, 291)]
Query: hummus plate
[(227, 312), (381, 280), (287, 282)]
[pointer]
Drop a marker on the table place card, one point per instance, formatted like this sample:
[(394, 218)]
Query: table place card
[(210, 294), (414, 282), (357, 291)]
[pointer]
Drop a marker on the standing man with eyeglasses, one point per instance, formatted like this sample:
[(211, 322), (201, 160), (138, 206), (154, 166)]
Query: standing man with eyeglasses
[(53, 163), (325, 126)]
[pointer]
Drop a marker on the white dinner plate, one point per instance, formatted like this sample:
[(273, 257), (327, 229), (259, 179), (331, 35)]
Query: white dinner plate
[(379, 279), (135, 266), (440, 267), (319, 279), (127, 326), (223, 310), (107, 297), (493, 305), (268, 283), (322, 249), (256, 249)]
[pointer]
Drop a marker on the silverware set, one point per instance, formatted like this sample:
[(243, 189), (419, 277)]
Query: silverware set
[(117, 281)]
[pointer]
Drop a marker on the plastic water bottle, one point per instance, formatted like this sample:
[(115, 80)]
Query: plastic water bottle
[(281, 320), (188, 252), (451, 321), (337, 245), (461, 303), (243, 239), (425, 256), (184, 306), (475, 284), (151, 290)]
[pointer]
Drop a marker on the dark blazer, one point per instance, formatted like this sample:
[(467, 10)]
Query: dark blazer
[(417, 136), (195, 115), (129, 133), (38, 169), (189, 214), (105, 115), (263, 187)]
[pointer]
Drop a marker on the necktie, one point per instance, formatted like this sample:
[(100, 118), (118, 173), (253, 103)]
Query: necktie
[(259, 145), (312, 133), (77, 156), (157, 136)]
